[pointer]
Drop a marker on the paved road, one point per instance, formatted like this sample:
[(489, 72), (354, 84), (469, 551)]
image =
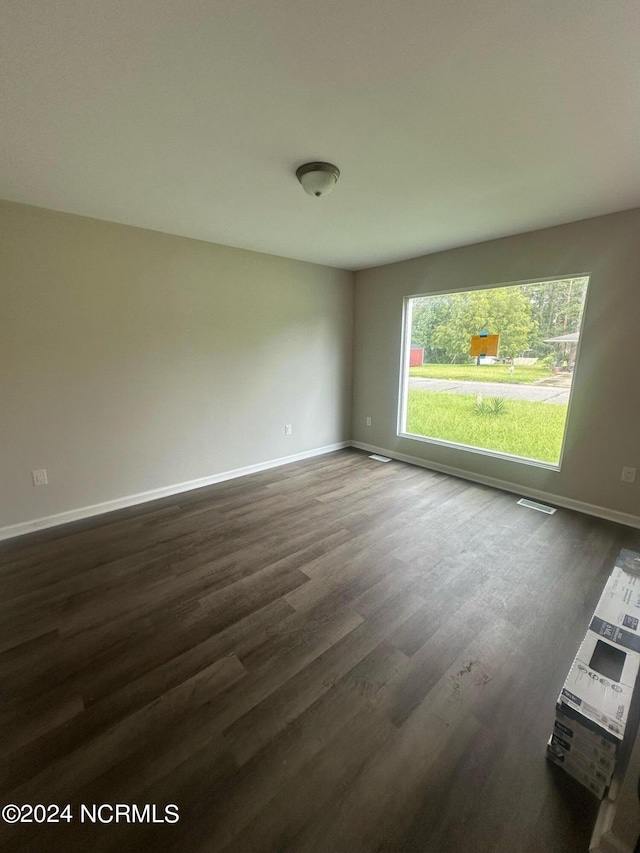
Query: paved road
[(535, 393)]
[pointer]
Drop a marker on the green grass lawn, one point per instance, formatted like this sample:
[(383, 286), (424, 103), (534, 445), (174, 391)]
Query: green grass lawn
[(534, 430), (522, 375)]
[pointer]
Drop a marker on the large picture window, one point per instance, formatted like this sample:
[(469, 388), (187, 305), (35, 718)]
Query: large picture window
[(492, 370)]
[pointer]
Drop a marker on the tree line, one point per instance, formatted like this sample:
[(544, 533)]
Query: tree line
[(523, 315)]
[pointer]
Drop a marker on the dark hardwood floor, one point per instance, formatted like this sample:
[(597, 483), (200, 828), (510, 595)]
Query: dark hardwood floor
[(334, 656)]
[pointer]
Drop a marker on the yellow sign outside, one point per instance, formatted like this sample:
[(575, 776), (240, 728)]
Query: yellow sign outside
[(484, 345)]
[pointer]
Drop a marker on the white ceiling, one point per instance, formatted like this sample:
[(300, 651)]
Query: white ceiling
[(453, 121)]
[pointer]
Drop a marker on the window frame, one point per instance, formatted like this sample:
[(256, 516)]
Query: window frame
[(405, 351)]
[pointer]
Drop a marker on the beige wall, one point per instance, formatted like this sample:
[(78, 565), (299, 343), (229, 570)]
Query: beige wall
[(132, 360), (604, 422)]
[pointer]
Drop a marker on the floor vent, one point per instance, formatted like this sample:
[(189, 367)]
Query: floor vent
[(540, 507), (379, 458)]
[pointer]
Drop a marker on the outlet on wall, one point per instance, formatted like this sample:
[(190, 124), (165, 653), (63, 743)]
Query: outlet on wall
[(628, 475), (40, 477), (368, 421), (287, 429)]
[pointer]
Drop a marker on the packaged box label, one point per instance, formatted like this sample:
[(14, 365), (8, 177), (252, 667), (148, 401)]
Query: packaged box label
[(600, 683)]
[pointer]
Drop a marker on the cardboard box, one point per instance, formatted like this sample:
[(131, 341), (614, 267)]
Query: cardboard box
[(596, 787), (599, 766), (584, 739), (585, 750), (600, 685), (571, 730), (623, 588), (617, 615), (592, 710)]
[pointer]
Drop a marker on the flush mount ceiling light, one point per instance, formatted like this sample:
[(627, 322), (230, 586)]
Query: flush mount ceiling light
[(318, 178)]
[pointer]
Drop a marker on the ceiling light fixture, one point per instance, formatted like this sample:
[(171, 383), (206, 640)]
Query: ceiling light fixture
[(318, 178)]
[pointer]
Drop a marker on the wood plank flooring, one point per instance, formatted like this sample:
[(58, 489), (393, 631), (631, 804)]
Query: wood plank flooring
[(335, 656)]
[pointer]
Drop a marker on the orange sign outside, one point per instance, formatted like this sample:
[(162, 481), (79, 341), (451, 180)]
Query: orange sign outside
[(484, 345)]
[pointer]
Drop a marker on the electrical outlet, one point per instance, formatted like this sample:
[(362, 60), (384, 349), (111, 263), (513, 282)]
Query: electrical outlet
[(368, 421), (40, 477), (287, 429), (628, 475)]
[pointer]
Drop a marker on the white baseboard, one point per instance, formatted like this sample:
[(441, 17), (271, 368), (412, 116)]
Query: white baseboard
[(22, 528), (154, 494), (505, 485)]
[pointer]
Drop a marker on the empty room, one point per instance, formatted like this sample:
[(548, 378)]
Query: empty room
[(319, 359)]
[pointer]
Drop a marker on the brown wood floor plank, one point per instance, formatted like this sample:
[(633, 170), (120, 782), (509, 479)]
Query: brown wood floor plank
[(61, 778), (336, 656), (265, 720), (217, 818)]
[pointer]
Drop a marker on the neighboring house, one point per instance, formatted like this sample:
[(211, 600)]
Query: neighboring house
[(569, 346)]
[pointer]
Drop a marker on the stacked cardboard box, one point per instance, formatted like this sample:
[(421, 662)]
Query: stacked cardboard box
[(592, 710)]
